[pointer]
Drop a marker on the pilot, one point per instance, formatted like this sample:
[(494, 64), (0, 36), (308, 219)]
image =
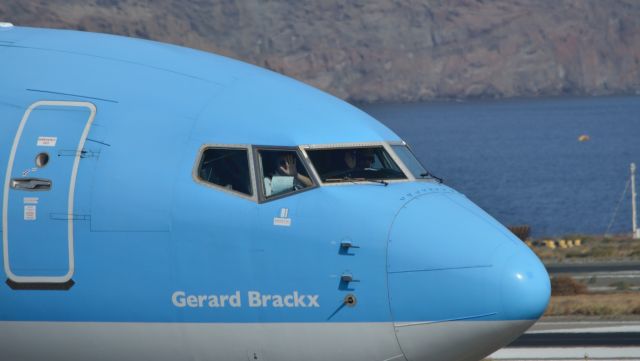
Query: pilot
[(350, 159), (365, 159), (358, 160), (286, 166)]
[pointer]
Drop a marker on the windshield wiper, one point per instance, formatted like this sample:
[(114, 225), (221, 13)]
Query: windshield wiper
[(354, 180), (379, 181), (429, 175)]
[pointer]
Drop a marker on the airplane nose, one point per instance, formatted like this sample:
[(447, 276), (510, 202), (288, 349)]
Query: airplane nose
[(460, 284), (525, 288)]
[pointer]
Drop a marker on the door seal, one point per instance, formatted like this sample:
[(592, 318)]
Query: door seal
[(40, 286)]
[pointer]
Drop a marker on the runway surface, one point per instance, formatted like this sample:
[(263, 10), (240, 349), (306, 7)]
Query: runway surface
[(580, 340), (577, 339), (567, 354)]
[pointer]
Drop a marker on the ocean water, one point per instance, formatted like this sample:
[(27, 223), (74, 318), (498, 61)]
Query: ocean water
[(521, 160)]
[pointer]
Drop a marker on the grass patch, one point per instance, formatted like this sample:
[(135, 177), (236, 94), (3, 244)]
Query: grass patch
[(614, 304), (635, 252), (565, 285), (621, 285), (603, 251)]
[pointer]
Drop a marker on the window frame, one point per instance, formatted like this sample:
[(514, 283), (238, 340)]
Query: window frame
[(248, 149), (255, 166), (418, 178), (414, 178), (262, 198), (387, 147)]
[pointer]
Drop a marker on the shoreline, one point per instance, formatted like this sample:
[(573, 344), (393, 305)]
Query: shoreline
[(507, 99)]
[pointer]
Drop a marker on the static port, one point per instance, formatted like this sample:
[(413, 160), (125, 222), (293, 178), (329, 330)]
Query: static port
[(350, 300)]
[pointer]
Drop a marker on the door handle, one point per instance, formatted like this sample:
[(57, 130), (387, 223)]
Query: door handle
[(31, 184)]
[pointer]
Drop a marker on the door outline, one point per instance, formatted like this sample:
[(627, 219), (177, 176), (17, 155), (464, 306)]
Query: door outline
[(72, 185)]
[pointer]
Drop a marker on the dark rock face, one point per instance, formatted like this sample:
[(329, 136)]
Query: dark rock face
[(383, 50)]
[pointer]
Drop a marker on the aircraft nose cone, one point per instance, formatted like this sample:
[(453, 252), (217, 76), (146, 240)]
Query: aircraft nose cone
[(460, 284), (525, 288)]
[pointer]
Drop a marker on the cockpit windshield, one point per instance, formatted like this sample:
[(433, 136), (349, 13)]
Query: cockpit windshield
[(410, 160), (354, 164)]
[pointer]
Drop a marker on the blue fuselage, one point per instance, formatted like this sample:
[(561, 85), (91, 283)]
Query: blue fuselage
[(126, 240)]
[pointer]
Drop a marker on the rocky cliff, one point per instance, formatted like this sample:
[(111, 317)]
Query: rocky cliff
[(388, 50)]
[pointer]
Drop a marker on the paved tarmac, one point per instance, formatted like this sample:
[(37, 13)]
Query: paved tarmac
[(571, 339), (567, 354), (575, 340)]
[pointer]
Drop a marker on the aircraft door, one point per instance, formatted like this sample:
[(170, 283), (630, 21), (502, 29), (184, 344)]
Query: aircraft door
[(39, 187)]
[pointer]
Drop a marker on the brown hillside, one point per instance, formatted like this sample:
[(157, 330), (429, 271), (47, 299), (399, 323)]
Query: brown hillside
[(381, 50)]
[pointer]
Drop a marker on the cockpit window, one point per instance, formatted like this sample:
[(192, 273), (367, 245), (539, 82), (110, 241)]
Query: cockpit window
[(227, 168), (406, 155), (282, 172), (354, 164)]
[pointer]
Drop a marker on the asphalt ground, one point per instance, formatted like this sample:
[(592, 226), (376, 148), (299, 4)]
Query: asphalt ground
[(570, 339), (575, 341)]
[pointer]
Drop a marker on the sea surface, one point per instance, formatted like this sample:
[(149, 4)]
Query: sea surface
[(522, 162)]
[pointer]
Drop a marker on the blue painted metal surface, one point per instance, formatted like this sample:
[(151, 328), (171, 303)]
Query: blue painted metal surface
[(460, 265), (38, 241), (149, 232)]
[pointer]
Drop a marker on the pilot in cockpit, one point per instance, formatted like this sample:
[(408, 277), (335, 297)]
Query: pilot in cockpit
[(358, 160), (350, 159), (285, 177), (365, 159)]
